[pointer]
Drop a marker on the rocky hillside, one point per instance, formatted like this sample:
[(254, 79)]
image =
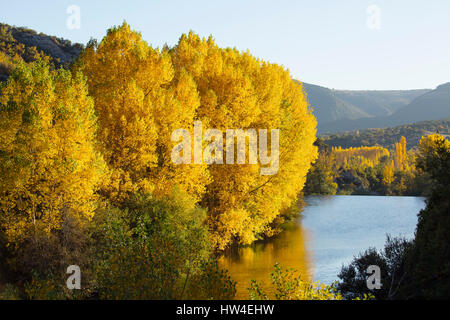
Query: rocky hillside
[(18, 43)]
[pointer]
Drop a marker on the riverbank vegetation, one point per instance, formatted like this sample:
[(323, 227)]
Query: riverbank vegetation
[(87, 178), (368, 170), (288, 284), (417, 269)]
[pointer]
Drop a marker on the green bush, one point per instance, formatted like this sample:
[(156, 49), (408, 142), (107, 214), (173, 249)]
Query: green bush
[(211, 283), (289, 285), (393, 267), (150, 247)]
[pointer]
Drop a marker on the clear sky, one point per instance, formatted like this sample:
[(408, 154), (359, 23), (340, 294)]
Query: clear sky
[(339, 44)]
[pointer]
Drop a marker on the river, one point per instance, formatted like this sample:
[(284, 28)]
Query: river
[(331, 230)]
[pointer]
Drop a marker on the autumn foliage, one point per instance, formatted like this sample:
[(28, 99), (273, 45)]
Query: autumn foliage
[(49, 159), (87, 177), (368, 156), (368, 170), (143, 94)]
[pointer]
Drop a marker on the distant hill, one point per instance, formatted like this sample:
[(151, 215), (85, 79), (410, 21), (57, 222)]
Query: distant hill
[(330, 107), (341, 110), (387, 137), (432, 105), (380, 103), (19, 43)]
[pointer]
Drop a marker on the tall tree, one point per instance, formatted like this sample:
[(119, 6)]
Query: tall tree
[(142, 95), (320, 178), (140, 99), (239, 91), (49, 162)]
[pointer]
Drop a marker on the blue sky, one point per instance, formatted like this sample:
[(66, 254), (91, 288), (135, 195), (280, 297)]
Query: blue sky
[(322, 42)]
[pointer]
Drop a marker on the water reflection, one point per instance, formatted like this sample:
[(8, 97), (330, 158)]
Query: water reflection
[(332, 230), (257, 261)]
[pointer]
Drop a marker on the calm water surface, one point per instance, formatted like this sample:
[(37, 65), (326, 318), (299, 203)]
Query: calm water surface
[(331, 231)]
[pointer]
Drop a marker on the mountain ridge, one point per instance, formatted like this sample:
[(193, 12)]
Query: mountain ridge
[(348, 110), (432, 105)]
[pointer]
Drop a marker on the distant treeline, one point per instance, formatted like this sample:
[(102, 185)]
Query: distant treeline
[(389, 136), (368, 170), (418, 268)]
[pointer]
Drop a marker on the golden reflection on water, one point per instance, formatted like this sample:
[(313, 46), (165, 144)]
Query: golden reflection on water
[(257, 261)]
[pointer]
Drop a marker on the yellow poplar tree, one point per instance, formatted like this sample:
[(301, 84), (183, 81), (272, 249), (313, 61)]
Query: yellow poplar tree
[(48, 158), (373, 154), (143, 94), (239, 91), (388, 173), (140, 100), (400, 157)]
